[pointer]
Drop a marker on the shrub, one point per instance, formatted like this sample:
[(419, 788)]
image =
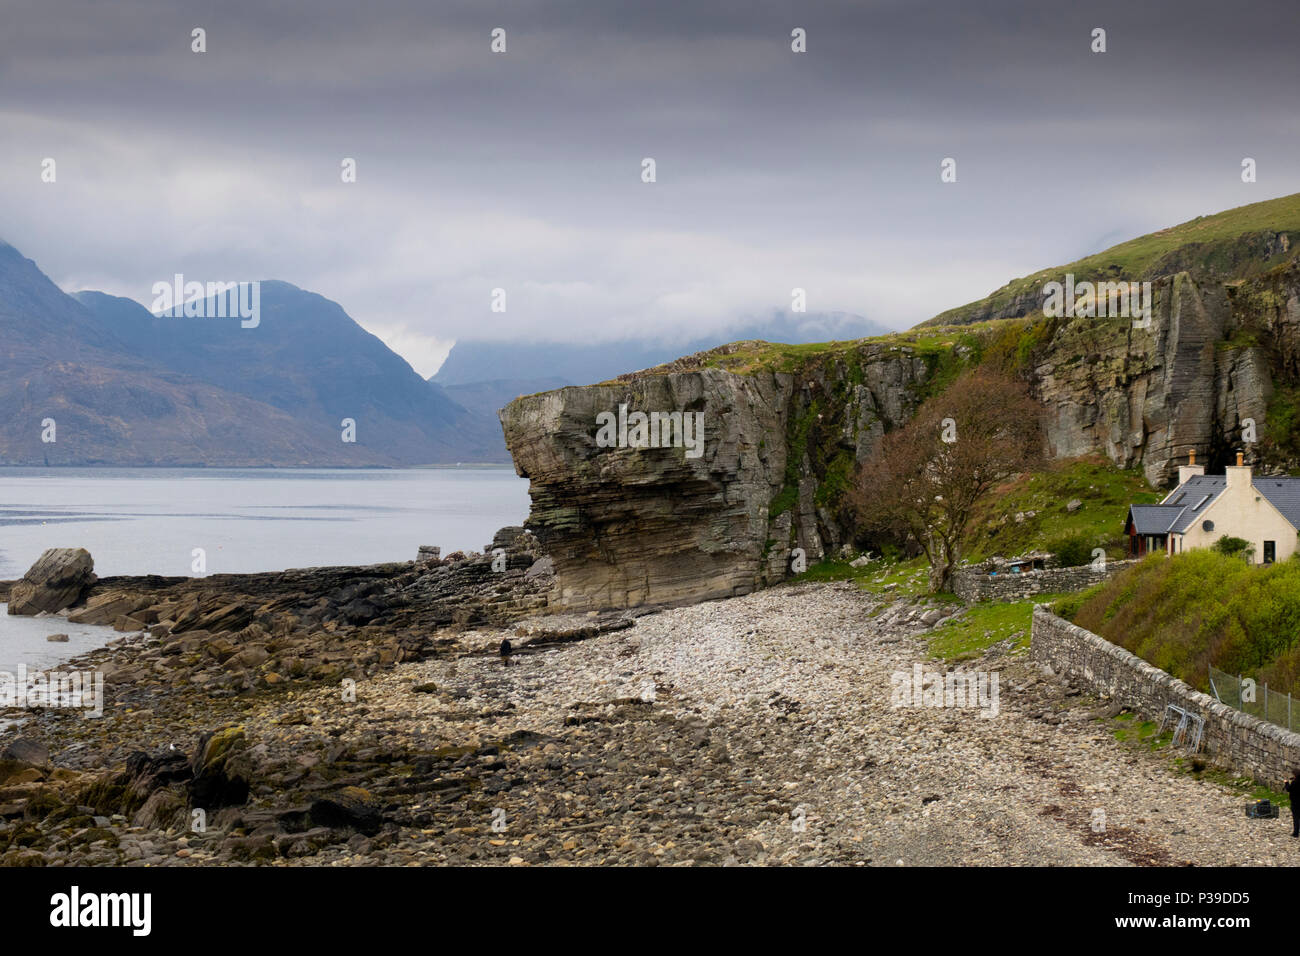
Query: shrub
[(1068, 607), (1073, 551), (1186, 612), (1233, 547)]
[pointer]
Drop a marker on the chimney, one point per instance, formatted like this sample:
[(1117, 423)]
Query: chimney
[(1239, 475), (1191, 468)]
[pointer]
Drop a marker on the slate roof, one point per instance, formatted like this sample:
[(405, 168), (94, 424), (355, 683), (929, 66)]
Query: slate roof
[(1283, 493), (1185, 505), (1153, 519), (1189, 495)]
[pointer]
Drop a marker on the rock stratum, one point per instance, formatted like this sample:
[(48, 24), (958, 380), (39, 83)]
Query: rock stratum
[(630, 526), (787, 426)]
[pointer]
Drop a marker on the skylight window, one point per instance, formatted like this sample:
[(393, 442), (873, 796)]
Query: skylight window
[(1197, 506)]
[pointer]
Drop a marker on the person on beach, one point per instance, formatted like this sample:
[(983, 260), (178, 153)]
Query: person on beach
[(1293, 788)]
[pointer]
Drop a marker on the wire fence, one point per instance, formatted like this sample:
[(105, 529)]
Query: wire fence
[(1255, 699)]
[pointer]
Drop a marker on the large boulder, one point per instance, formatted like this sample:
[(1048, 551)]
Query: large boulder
[(56, 581), (24, 760)]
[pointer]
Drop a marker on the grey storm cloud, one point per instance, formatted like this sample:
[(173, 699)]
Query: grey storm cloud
[(522, 170)]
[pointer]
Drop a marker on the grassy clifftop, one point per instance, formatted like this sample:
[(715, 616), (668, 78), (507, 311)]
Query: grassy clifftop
[(1239, 243), (928, 343), (1235, 243)]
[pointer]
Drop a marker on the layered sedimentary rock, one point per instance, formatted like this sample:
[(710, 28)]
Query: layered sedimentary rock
[(57, 580), (628, 526), (1149, 396), (233, 633)]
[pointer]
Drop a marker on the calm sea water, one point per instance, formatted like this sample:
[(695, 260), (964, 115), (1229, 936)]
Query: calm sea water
[(151, 520), (23, 641)]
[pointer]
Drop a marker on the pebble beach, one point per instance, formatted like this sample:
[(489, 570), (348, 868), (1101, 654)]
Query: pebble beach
[(760, 729)]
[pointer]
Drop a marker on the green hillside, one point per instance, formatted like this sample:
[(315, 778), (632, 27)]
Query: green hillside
[(1238, 242), (1190, 611)]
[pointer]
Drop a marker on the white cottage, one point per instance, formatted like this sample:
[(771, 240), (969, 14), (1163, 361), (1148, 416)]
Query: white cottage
[(1264, 511)]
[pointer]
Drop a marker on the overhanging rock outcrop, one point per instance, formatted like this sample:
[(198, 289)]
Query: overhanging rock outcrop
[(630, 526)]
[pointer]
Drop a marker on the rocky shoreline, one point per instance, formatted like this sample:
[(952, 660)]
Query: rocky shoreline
[(758, 729), (197, 654)]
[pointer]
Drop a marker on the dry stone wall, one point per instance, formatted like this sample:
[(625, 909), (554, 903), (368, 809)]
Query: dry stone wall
[(1234, 740), (976, 584)]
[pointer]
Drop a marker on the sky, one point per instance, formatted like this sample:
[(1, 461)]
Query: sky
[(523, 170)]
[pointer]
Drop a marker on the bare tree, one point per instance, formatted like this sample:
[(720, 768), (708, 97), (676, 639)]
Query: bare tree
[(927, 478)]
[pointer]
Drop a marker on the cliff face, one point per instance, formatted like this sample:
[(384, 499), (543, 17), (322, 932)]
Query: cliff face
[(1145, 397), (785, 428), (628, 526)]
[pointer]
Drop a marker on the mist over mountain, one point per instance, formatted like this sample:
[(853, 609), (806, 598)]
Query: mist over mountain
[(491, 396), (579, 364)]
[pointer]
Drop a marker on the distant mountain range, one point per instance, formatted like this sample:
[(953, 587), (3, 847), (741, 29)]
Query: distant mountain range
[(124, 386)]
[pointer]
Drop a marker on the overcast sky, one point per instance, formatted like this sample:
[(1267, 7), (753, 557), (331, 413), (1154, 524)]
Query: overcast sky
[(522, 170)]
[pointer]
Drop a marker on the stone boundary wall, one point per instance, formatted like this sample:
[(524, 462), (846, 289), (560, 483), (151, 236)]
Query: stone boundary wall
[(1236, 741), (975, 584)]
